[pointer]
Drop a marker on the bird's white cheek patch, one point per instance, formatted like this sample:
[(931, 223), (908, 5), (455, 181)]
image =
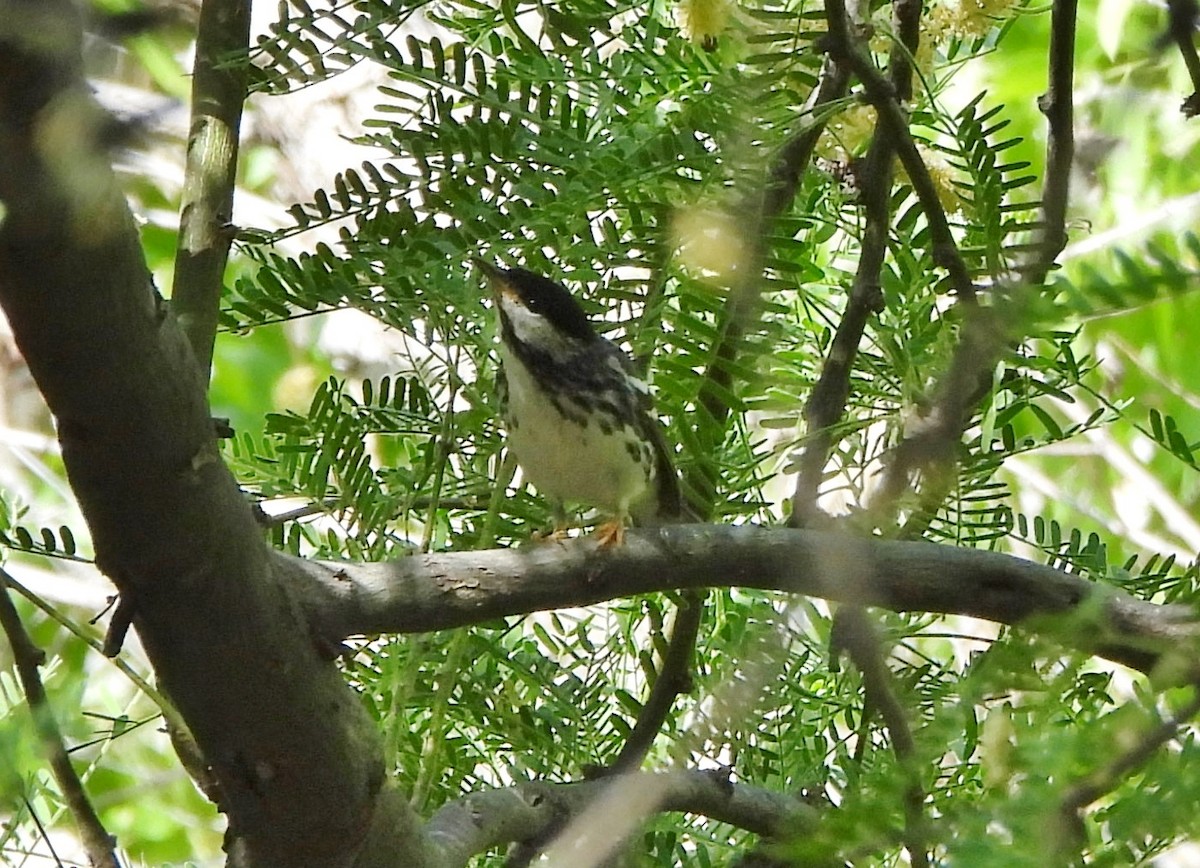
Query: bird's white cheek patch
[(534, 329)]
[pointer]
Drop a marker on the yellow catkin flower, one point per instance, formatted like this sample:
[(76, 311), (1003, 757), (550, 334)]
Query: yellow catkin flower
[(702, 21), (942, 174), (847, 133), (974, 18)]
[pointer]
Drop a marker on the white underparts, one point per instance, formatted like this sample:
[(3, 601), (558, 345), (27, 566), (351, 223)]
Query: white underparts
[(569, 461)]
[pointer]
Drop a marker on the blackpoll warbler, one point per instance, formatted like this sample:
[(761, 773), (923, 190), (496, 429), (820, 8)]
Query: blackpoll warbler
[(578, 418)]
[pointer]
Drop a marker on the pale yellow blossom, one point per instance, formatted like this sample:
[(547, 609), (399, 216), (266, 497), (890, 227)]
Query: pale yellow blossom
[(702, 21), (847, 133), (943, 176)]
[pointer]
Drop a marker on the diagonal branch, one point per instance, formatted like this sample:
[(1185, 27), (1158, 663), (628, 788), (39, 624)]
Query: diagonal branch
[(453, 589), (1111, 775), (741, 311), (827, 402), (987, 332), (859, 636), (674, 678), (219, 80), (98, 844), (1107, 778), (883, 95)]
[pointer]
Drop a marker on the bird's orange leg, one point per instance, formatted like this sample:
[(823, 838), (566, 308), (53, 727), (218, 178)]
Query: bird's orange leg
[(611, 533), (559, 533)]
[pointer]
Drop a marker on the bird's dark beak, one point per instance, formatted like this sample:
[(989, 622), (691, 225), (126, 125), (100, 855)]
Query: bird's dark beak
[(497, 278), (491, 272)]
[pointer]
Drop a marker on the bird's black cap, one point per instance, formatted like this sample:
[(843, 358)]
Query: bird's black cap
[(540, 295)]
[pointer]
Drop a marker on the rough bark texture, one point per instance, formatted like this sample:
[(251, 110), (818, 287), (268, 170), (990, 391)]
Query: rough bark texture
[(298, 760)]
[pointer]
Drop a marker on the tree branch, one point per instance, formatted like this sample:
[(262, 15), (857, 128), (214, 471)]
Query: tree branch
[(883, 95), (1184, 17), (298, 760), (1057, 104), (97, 842), (484, 820), (453, 589), (826, 403), (1107, 778), (932, 440), (932, 443), (218, 93)]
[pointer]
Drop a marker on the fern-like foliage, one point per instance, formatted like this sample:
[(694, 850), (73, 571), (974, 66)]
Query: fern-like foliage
[(1123, 280), (46, 541), (577, 142)]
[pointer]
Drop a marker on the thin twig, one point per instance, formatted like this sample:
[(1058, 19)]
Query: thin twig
[(674, 676), (827, 404), (97, 842), (333, 505), (1105, 780), (181, 737), (43, 832), (1057, 104), (141, 683), (827, 401), (219, 84), (118, 625)]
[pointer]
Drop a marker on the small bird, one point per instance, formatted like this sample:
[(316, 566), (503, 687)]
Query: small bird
[(579, 420)]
